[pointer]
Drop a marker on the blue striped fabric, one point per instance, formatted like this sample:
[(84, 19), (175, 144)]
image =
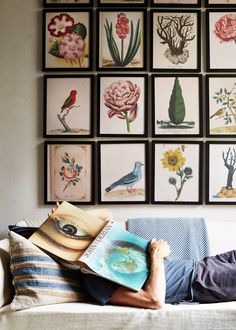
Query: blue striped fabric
[(188, 237), (38, 278)]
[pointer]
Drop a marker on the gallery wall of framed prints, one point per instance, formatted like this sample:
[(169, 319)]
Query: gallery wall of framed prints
[(139, 101)]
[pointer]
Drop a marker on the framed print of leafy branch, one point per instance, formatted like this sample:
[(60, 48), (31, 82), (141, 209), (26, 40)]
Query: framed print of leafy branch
[(121, 41)]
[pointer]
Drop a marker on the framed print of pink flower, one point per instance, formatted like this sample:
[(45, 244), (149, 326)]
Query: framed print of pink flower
[(67, 39), (70, 171), (121, 98), (225, 28)]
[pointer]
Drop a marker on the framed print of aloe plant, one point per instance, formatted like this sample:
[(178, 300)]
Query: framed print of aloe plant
[(177, 105), (177, 172), (176, 3), (67, 40), (175, 40), (221, 40), (69, 172), (122, 39), (123, 108)]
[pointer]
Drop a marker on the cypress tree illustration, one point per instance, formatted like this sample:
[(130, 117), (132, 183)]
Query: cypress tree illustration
[(176, 105)]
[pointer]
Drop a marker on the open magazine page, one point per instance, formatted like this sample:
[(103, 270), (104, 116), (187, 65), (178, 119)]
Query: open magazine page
[(119, 256), (67, 232)]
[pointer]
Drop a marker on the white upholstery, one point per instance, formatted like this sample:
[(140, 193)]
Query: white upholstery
[(6, 288)]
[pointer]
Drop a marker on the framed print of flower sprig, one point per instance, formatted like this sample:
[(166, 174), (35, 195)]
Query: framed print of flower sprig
[(221, 40), (168, 3), (220, 3), (67, 40), (122, 39), (175, 40), (69, 172), (123, 109), (177, 172), (66, 3)]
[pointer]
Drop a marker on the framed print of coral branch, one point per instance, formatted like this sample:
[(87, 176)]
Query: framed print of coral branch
[(68, 105), (123, 3), (66, 3), (221, 105), (220, 3), (175, 40), (122, 101), (69, 172), (176, 3), (177, 105), (177, 172), (123, 168), (67, 40), (221, 40), (221, 179), (122, 39)]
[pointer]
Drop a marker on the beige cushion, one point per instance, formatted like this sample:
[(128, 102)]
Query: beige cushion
[(6, 287)]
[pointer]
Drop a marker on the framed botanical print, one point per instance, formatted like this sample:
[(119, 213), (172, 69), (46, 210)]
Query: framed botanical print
[(122, 172), (221, 179), (123, 3), (121, 41), (123, 108), (67, 40), (221, 105), (68, 105), (177, 105), (176, 3), (220, 3), (221, 36), (175, 40), (177, 172), (69, 172), (67, 3)]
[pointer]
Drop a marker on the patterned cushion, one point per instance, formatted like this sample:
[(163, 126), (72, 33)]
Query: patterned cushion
[(38, 278), (23, 231)]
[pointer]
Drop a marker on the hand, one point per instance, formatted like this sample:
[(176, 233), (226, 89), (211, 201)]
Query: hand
[(54, 209), (160, 248)]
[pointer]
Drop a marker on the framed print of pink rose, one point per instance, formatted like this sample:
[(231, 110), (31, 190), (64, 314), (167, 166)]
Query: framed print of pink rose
[(221, 40), (66, 40)]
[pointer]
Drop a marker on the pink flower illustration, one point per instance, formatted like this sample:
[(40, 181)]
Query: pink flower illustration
[(71, 47), (225, 28), (122, 26), (121, 98), (60, 25)]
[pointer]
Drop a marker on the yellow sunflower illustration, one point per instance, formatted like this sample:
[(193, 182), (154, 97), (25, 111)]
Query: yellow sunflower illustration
[(173, 159)]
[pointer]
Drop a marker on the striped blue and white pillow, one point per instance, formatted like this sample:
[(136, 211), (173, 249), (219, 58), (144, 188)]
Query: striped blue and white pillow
[(39, 279)]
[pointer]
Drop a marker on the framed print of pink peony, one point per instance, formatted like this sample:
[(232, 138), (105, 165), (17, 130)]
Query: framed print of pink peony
[(69, 172), (66, 3), (68, 105), (175, 40), (121, 40), (220, 3), (67, 40), (221, 40), (123, 108), (176, 3), (123, 172)]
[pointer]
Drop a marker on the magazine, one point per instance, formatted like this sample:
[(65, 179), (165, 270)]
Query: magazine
[(118, 255), (67, 232)]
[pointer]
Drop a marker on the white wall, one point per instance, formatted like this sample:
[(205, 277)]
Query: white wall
[(21, 142)]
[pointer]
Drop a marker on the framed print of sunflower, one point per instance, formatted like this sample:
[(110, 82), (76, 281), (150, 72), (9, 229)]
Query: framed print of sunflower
[(177, 172), (67, 39)]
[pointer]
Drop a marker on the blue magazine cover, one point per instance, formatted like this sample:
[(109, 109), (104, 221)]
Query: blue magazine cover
[(118, 255)]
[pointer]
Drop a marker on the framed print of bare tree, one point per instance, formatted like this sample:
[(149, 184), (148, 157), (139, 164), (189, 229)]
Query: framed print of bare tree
[(176, 3), (123, 172), (177, 105), (221, 179), (121, 43), (175, 40), (177, 172), (221, 36)]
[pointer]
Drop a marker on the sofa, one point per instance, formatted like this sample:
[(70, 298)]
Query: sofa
[(86, 314)]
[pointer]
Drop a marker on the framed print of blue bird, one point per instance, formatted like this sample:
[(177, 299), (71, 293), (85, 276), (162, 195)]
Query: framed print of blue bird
[(123, 172), (68, 105), (69, 172)]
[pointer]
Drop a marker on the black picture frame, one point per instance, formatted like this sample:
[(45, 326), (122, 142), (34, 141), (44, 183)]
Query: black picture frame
[(63, 120), (219, 5), (112, 54), (171, 186), (220, 48), (116, 159), (189, 123), (220, 179), (60, 57), (171, 4), (66, 165), (220, 105), (119, 115), (65, 4), (162, 57), (123, 4)]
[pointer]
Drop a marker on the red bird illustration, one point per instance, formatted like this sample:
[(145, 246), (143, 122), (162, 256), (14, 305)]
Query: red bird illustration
[(71, 99)]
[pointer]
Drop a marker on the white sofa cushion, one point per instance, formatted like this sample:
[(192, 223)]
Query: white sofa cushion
[(6, 288)]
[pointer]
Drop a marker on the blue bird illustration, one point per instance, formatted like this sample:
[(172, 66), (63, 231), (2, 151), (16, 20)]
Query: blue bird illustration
[(129, 180)]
